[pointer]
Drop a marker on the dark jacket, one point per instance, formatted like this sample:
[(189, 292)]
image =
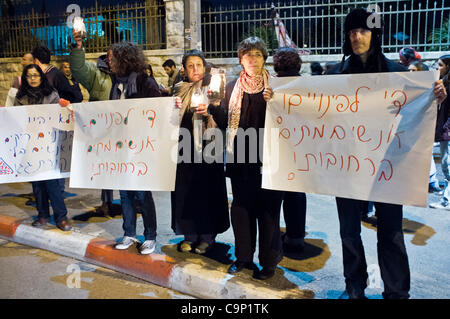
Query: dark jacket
[(199, 202), (253, 115), (146, 87), (94, 77), (59, 81), (354, 65), (443, 121)]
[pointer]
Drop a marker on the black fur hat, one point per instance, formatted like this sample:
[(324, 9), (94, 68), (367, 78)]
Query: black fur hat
[(360, 18)]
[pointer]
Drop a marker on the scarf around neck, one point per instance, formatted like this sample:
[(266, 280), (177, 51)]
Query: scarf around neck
[(184, 90), (247, 84), (131, 86)]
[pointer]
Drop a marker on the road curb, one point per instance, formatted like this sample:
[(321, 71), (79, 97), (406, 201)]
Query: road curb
[(184, 277)]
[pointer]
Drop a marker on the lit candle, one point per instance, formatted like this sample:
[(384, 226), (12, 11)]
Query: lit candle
[(216, 81), (78, 26)]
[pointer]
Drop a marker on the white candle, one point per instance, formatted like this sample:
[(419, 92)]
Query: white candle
[(216, 81)]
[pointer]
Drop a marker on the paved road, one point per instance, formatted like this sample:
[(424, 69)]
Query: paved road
[(28, 272), (318, 273)]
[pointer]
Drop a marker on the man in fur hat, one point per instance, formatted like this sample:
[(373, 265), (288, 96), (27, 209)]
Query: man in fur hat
[(363, 46)]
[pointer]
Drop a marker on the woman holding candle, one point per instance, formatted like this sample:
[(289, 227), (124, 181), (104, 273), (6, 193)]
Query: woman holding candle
[(242, 112), (199, 202)]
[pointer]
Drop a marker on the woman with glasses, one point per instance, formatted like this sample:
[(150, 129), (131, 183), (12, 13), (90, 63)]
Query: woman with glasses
[(35, 89)]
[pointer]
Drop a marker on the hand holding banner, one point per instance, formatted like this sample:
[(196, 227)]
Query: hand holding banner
[(362, 136)]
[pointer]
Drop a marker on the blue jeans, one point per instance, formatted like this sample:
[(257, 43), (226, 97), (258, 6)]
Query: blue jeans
[(445, 169), (128, 200), (50, 190)]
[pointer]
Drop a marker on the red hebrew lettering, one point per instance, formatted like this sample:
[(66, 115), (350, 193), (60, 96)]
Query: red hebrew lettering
[(360, 133), (373, 165), (303, 134), (328, 160), (349, 161), (320, 105), (285, 133), (335, 132), (355, 105), (341, 107), (320, 133), (299, 101), (383, 173), (140, 171), (397, 103)]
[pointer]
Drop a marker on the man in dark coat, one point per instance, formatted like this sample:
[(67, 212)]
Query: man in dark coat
[(363, 45), (56, 78)]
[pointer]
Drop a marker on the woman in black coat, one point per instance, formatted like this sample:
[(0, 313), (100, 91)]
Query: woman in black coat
[(199, 202)]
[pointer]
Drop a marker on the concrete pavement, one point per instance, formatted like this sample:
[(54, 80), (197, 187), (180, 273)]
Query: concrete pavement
[(317, 274)]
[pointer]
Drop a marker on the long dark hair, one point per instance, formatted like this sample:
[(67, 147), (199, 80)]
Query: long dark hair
[(130, 58), (25, 89)]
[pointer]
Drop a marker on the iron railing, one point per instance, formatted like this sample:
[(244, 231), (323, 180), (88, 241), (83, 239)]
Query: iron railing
[(316, 26), (142, 23)]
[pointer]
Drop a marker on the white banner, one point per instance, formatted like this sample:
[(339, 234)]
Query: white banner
[(125, 144), (36, 143), (362, 136)]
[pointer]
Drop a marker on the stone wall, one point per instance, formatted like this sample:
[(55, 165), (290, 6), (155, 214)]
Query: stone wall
[(10, 67)]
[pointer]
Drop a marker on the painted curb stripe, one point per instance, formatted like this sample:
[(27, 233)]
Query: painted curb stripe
[(8, 226), (69, 244), (154, 268)]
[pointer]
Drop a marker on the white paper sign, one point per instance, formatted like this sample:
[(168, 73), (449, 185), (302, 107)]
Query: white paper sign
[(35, 143), (125, 144), (362, 136)]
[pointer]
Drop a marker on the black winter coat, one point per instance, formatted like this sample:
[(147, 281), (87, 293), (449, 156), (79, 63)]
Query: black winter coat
[(443, 121)]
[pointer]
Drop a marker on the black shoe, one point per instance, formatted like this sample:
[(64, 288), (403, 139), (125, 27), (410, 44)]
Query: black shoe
[(355, 294), (293, 251), (265, 273), (203, 247), (40, 222), (238, 266)]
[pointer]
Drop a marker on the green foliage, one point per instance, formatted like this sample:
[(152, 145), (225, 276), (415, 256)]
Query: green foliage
[(266, 33), (440, 35)]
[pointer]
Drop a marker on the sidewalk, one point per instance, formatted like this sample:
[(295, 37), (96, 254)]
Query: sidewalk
[(318, 274)]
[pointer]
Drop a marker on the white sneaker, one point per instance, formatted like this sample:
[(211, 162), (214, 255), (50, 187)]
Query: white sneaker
[(147, 247), (441, 205), (126, 242)]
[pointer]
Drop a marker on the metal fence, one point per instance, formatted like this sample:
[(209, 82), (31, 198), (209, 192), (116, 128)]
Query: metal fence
[(141, 23), (316, 26)]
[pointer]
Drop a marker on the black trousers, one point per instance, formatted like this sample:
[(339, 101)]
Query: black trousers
[(392, 256), (252, 208), (294, 212)]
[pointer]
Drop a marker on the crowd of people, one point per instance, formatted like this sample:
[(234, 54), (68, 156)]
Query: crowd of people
[(122, 73)]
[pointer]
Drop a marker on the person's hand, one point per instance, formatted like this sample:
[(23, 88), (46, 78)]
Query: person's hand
[(77, 38), (267, 94), (178, 102), (202, 109), (440, 93)]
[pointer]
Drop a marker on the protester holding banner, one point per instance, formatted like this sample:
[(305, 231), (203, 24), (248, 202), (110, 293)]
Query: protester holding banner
[(96, 78), (363, 46), (199, 202), (36, 89), (287, 62), (244, 108), (130, 81), (443, 132)]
